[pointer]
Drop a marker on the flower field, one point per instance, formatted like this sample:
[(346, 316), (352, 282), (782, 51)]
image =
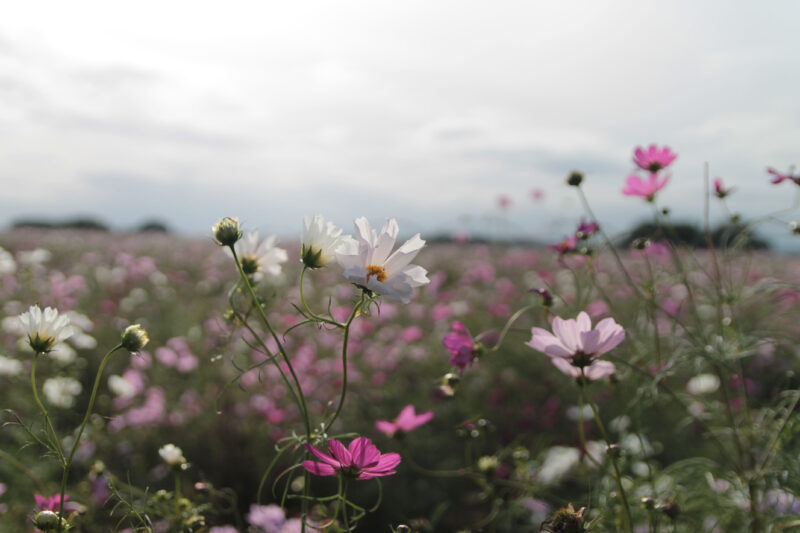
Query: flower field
[(232, 384)]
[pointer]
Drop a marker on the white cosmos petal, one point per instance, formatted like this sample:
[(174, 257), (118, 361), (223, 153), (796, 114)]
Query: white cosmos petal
[(385, 242), (404, 255)]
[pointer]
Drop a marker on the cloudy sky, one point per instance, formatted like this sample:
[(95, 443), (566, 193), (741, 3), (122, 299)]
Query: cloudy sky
[(425, 111)]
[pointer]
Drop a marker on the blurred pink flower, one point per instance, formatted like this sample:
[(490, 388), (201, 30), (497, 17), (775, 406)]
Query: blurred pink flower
[(360, 460), (778, 177), (406, 421), (537, 194), (503, 201), (635, 186), (653, 159), (575, 342), (567, 245), (45, 503), (719, 189), (586, 229), (461, 345)]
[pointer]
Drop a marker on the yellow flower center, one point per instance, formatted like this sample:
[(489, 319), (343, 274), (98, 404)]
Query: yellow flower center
[(377, 271)]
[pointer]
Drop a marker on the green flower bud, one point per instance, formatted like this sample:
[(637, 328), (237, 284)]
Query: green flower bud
[(48, 521), (574, 179), (227, 231), (134, 338)]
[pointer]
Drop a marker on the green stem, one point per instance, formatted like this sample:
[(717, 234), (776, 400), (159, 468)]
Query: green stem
[(617, 477), (308, 310), (581, 433), (345, 341), (77, 440), (343, 496), (51, 432), (177, 498)]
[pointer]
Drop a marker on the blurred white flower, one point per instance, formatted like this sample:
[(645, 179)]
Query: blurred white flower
[(259, 257), (61, 391), (172, 455), (44, 329), (369, 262), (34, 257), (558, 462), (63, 353), (702, 384), (319, 240), (121, 386), (9, 367), (7, 263)]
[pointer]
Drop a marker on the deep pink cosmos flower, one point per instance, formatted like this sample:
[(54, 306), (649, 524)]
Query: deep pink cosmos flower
[(45, 503), (576, 343), (406, 421), (461, 345), (360, 460), (719, 189), (777, 177), (586, 229), (636, 186), (653, 159)]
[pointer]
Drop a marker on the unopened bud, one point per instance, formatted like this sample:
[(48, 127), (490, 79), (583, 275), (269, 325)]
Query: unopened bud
[(227, 231), (451, 380), (547, 298), (48, 521), (402, 528), (648, 502), (566, 520), (574, 179), (671, 509), (134, 338), (613, 451), (794, 226)]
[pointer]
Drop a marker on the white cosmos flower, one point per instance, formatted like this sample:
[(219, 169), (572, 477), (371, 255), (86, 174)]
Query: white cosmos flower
[(368, 261), (45, 329), (259, 257), (319, 240)]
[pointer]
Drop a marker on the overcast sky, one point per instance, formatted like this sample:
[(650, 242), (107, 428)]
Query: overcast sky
[(427, 111)]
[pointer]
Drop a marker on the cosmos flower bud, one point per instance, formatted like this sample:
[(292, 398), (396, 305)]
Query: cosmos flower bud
[(227, 231), (671, 509), (613, 451), (48, 521), (794, 226), (402, 528), (547, 298), (134, 338), (575, 178), (648, 502), (172, 455)]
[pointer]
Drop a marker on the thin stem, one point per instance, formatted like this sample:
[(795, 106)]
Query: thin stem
[(617, 477), (51, 432), (345, 340), (77, 440), (308, 310), (581, 433)]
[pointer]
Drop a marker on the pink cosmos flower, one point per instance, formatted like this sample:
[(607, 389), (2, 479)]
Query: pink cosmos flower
[(461, 345), (406, 421), (504, 202), (577, 344), (636, 186), (586, 229), (569, 244), (45, 503), (360, 460), (653, 159), (719, 189), (778, 177)]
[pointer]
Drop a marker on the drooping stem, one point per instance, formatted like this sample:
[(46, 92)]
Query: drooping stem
[(308, 310)]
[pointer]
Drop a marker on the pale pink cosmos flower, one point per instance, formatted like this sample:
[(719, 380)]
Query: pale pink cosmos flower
[(406, 421), (360, 460), (647, 189), (575, 343), (653, 159)]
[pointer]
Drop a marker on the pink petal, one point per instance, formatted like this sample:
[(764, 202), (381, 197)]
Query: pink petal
[(319, 469), (340, 453), (566, 367), (386, 427), (326, 458), (545, 342), (599, 370)]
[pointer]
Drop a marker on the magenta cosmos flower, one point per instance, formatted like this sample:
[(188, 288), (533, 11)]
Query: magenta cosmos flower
[(360, 460), (720, 191), (778, 177), (406, 421), (462, 347), (647, 189), (653, 159), (574, 344)]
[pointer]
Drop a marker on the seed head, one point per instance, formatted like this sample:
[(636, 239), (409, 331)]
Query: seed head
[(575, 178)]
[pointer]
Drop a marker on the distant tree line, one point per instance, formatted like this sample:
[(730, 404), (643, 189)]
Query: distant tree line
[(86, 224), (730, 235)]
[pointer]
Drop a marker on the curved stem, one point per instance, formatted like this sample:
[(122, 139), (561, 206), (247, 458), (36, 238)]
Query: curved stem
[(308, 310), (77, 440), (51, 432), (345, 340)]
